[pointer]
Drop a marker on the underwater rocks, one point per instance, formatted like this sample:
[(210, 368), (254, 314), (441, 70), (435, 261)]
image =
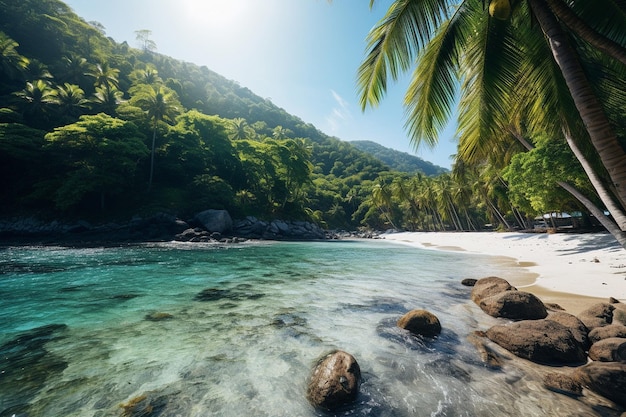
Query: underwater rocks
[(335, 381), (420, 322)]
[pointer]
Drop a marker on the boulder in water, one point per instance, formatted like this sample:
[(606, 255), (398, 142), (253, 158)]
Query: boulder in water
[(420, 322), (335, 381), (605, 378), (487, 287)]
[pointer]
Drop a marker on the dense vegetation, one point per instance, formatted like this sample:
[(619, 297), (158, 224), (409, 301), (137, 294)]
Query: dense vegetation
[(91, 128), (398, 161)]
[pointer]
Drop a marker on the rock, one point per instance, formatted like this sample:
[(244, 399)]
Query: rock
[(613, 300), (619, 314), (469, 282), (605, 378), (612, 349), (158, 316), (541, 341), (335, 381), (487, 355), (563, 384), (598, 315), (420, 322), (486, 287), (215, 220), (573, 323), (553, 307), (514, 305), (612, 330)]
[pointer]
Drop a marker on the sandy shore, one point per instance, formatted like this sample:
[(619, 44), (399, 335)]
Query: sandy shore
[(573, 270)]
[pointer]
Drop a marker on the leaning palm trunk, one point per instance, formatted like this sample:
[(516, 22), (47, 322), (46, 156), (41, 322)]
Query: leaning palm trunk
[(602, 136), (603, 193), (612, 228), (582, 29)]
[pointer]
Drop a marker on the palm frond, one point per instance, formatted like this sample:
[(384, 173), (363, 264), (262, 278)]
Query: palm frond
[(394, 42), (490, 69)]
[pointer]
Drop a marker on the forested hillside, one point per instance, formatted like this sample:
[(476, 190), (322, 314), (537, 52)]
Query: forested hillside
[(396, 160), (98, 130)]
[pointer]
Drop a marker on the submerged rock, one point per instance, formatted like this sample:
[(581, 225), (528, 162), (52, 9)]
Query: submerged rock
[(335, 381), (158, 316), (420, 322), (541, 341)]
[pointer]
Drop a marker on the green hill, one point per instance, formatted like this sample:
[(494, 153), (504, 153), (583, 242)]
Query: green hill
[(398, 161)]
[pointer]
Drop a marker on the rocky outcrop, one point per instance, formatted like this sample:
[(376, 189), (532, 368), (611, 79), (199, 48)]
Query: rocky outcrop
[(514, 305), (420, 322), (252, 228), (214, 220), (573, 323), (598, 315), (605, 332), (541, 341), (335, 381), (612, 349), (490, 286), (605, 378)]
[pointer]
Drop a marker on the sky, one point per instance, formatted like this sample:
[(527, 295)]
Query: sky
[(301, 54)]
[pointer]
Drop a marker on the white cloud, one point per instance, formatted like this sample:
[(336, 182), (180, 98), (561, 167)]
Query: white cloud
[(339, 115)]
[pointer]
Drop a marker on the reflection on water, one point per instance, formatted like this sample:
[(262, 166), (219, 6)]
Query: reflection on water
[(199, 330)]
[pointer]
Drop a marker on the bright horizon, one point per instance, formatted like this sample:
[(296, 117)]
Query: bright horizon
[(301, 54)]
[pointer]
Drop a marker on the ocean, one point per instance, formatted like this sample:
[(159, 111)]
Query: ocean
[(185, 329)]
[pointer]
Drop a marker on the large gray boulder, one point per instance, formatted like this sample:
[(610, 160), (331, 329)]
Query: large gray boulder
[(420, 322), (335, 381), (541, 341), (605, 378), (487, 287), (215, 220), (514, 305)]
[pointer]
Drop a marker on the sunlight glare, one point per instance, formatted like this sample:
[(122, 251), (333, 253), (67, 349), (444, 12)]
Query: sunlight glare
[(218, 14)]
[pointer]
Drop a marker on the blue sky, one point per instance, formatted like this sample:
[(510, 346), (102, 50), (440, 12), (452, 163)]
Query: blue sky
[(302, 54)]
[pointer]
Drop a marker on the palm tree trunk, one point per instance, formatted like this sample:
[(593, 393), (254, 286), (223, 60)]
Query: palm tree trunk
[(609, 225), (597, 124), (582, 29), (617, 212)]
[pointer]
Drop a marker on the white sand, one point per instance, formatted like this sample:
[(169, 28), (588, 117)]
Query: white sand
[(563, 267)]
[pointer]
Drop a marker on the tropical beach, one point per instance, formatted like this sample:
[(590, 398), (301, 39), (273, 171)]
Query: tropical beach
[(572, 270)]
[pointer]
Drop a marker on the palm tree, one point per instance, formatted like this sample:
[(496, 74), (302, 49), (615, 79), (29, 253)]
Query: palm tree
[(106, 99), (161, 104), (35, 101), (104, 75), (238, 129), (509, 69), (12, 64), (70, 100)]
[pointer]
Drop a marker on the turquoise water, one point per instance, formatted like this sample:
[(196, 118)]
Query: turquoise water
[(205, 330)]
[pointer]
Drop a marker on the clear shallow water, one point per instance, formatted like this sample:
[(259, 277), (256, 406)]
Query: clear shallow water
[(247, 323)]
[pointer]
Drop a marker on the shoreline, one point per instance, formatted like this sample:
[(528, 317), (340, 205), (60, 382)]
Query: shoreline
[(572, 270)]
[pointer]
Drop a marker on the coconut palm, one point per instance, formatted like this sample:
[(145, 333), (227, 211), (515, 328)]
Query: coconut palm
[(106, 99), (35, 102), (70, 100), (160, 104), (12, 64), (510, 69), (104, 75)]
